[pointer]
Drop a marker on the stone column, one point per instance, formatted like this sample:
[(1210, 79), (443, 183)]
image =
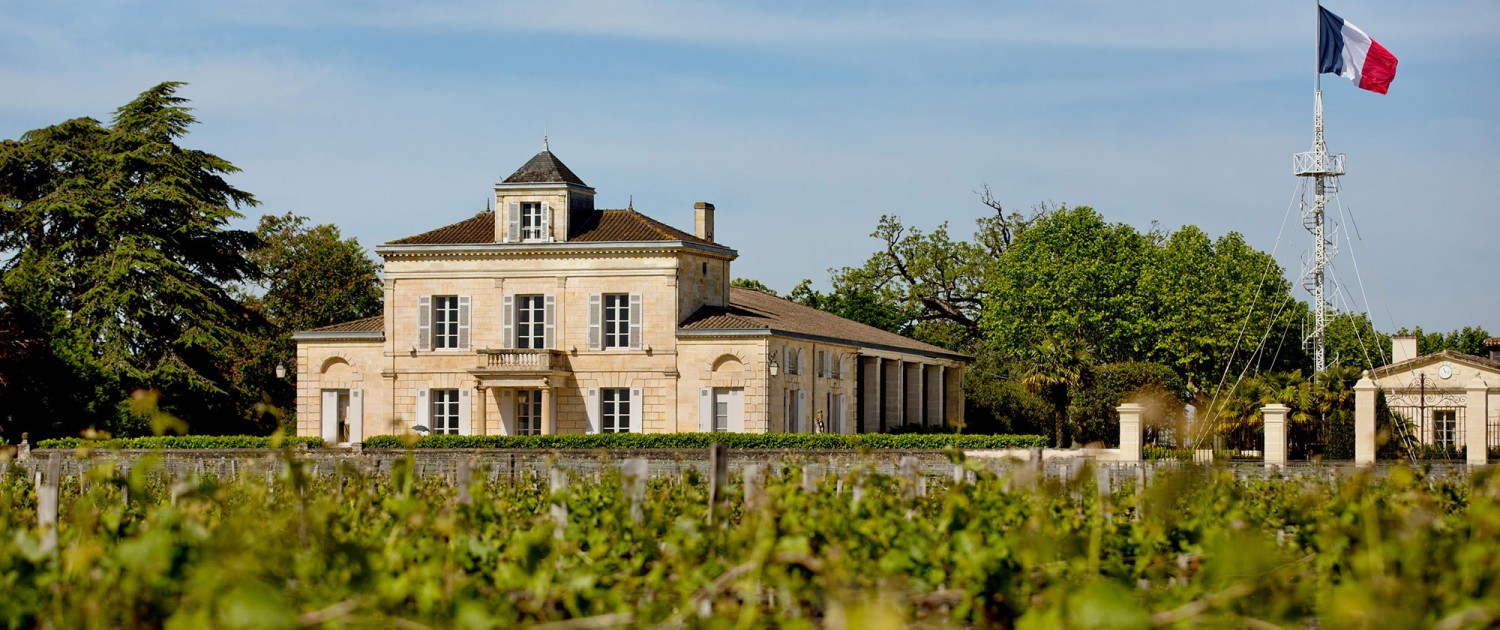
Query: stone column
[(1364, 421), (1275, 427), (481, 410), (1131, 434), (871, 407), (1475, 415), (549, 424)]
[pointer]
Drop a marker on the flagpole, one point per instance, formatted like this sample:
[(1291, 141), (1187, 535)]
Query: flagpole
[(1318, 165)]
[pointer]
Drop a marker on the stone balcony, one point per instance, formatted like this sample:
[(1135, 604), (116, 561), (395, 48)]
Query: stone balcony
[(519, 367)]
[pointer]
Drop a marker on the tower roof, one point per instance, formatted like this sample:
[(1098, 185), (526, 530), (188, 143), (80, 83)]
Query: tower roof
[(544, 168)]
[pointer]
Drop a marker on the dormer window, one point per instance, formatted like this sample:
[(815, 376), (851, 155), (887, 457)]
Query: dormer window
[(528, 222), (532, 226)]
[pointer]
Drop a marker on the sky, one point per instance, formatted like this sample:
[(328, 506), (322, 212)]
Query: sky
[(804, 122)]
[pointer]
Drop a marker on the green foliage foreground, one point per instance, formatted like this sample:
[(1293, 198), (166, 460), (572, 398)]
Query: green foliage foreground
[(184, 442), (705, 440), (1195, 548)]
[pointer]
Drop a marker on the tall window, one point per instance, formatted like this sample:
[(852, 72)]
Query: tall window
[(445, 322), (529, 412), (531, 221), (721, 415), (614, 409), (530, 322), (1445, 427), (445, 411), (793, 417), (616, 320)]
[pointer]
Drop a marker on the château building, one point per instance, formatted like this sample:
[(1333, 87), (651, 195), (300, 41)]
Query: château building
[(547, 315)]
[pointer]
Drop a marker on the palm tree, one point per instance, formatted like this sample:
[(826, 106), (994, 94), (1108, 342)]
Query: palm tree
[(1053, 369)]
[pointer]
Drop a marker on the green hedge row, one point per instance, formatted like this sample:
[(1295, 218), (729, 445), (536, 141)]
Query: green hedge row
[(704, 440), (182, 441)]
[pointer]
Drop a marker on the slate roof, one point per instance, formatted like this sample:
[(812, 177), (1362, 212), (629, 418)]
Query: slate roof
[(749, 309), (544, 168), (599, 226)]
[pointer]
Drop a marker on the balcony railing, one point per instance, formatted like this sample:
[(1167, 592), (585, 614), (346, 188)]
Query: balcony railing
[(522, 360)]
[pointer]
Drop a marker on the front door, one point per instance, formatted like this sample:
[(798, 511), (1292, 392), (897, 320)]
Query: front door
[(341, 416)]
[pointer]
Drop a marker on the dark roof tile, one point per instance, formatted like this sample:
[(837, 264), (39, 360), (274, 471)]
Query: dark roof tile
[(600, 226), (544, 168), (751, 309), (366, 325)]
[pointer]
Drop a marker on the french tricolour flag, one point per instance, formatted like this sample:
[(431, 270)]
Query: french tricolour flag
[(1345, 50)]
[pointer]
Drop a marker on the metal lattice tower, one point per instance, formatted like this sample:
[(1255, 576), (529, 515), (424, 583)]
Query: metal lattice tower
[(1320, 166)]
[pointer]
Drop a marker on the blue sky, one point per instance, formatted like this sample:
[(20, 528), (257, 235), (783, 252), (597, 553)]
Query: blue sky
[(805, 121)]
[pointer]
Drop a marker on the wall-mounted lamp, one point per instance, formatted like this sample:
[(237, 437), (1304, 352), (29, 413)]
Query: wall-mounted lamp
[(772, 364), (280, 371)]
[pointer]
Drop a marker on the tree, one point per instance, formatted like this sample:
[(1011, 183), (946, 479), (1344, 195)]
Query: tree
[(1468, 340), (1158, 387), (1207, 305), (1054, 368), (856, 303), (119, 258), (1070, 275), (747, 283), (313, 277)]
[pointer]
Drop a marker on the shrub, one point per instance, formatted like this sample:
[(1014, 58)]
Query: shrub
[(704, 440), (182, 442)]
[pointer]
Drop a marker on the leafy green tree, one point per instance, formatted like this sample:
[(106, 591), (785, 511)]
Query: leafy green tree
[(119, 258), (1206, 305), (1352, 341), (1158, 387), (313, 277), (856, 303), (1054, 369), (1468, 340), (1070, 275), (747, 283)]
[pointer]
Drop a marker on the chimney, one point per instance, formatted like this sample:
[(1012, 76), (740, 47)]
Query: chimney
[(703, 214), (1403, 347)]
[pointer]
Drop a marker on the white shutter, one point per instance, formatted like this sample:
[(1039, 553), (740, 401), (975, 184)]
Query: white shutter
[(424, 408), (802, 425), (799, 360), (330, 416), (591, 408), (465, 407), (786, 361), (356, 415), (596, 315), (637, 401), (635, 321), (463, 322), (512, 222), (737, 411), (706, 410), (508, 321), (549, 321), (424, 322), (546, 222), (507, 412), (839, 415)]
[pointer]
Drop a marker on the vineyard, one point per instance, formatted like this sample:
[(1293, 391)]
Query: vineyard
[(787, 543)]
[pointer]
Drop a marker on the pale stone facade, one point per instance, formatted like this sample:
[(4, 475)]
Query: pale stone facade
[(549, 316), (1449, 398)]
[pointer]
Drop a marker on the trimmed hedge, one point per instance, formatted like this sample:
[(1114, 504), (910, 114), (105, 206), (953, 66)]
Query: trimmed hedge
[(704, 440), (182, 442)]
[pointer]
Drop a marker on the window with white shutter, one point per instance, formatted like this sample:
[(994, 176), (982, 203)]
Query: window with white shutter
[(513, 222), (596, 319), (424, 323), (549, 319), (636, 319), (508, 321)]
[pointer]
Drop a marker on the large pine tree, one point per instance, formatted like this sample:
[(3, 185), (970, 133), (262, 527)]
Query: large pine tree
[(116, 258)]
